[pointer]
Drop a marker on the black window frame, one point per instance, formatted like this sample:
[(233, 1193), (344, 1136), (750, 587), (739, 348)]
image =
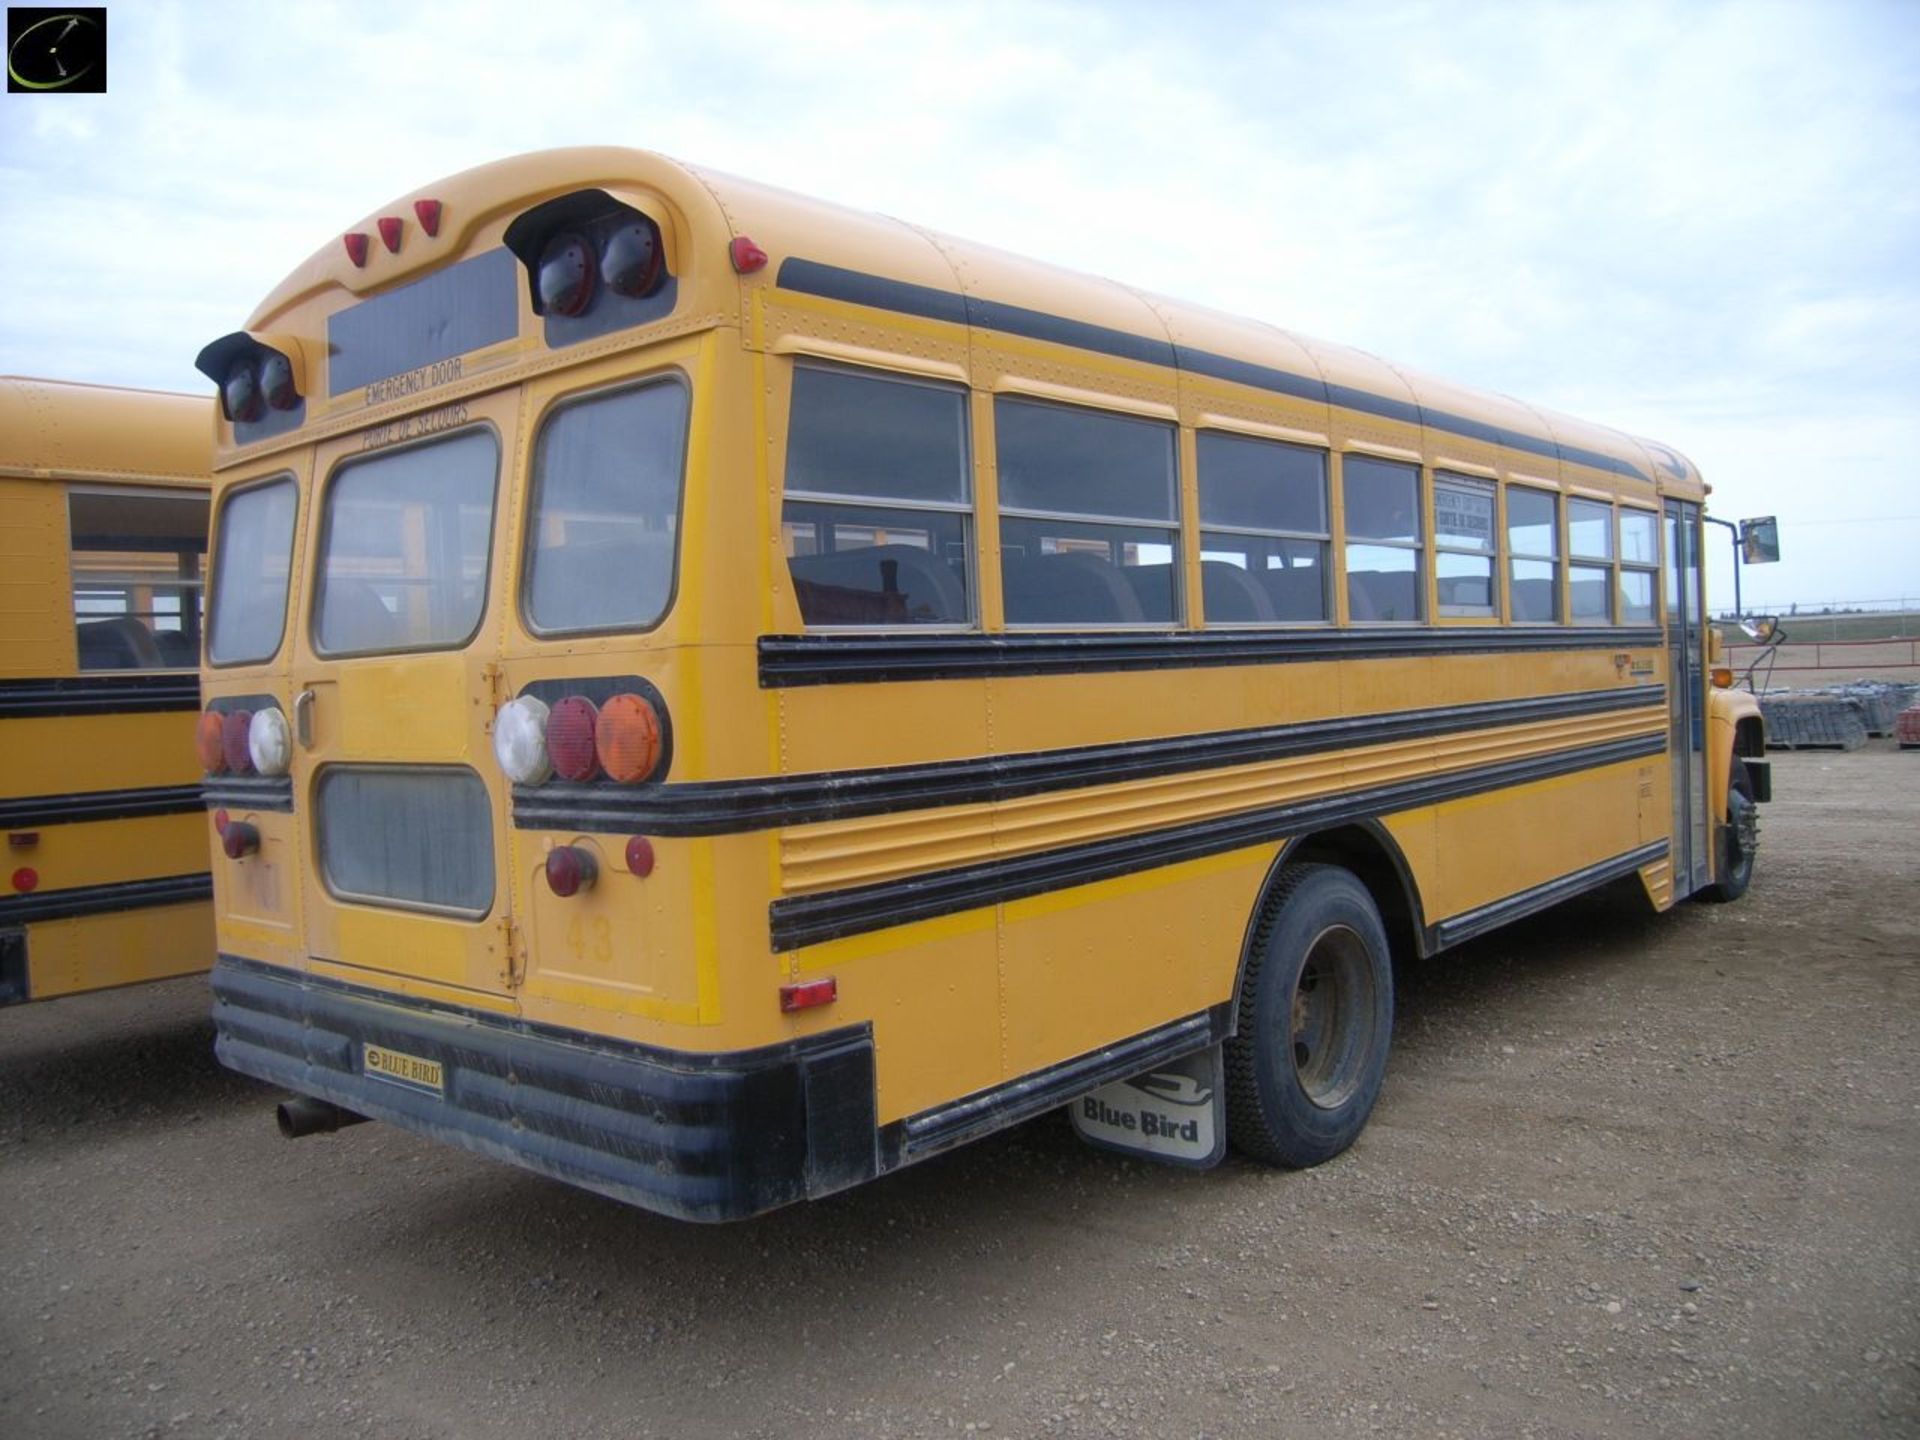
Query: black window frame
[(529, 531), (347, 463), (227, 498), (965, 509)]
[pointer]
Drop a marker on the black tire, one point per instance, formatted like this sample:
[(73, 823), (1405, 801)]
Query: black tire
[(1315, 1022), (1737, 841)]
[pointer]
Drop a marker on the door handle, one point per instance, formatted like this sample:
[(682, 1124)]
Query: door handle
[(303, 719)]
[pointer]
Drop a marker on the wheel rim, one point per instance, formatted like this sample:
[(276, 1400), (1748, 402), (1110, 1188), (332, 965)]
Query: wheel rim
[(1743, 829), (1332, 1018)]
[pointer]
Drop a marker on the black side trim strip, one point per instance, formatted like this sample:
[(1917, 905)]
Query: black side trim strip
[(248, 792), (787, 660), (731, 806), (931, 1131), (31, 811), (120, 693), (104, 899), (832, 282), (1488, 917), (802, 920), (28, 811)]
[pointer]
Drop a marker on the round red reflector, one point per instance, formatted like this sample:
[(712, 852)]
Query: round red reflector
[(566, 276), (239, 839), (640, 856), (631, 259), (628, 738), (570, 870), (245, 403), (220, 819), (26, 878), (233, 741), (210, 741), (276, 381), (570, 738)]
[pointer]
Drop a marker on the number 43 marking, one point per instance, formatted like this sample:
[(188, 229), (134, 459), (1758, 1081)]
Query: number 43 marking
[(591, 939)]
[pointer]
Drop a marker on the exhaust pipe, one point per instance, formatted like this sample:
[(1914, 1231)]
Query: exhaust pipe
[(304, 1115)]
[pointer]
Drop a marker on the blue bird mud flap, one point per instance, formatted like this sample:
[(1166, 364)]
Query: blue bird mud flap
[(1175, 1113)]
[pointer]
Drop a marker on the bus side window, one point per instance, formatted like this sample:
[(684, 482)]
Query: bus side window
[(139, 561), (1590, 538), (1639, 566), (1089, 516), (1533, 550), (876, 518), (1463, 545), (1264, 536), (1384, 580)]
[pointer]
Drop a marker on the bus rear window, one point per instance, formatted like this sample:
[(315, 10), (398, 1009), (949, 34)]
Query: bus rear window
[(252, 558), (403, 550), (606, 503)]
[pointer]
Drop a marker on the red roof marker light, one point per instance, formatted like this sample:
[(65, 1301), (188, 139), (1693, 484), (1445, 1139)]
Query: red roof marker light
[(390, 228), (747, 256), (356, 244), (428, 212)]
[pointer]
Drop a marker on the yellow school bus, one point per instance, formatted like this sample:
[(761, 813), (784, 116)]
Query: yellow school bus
[(714, 697), (103, 538)]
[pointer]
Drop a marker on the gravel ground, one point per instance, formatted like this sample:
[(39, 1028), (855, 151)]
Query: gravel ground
[(1631, 1175)]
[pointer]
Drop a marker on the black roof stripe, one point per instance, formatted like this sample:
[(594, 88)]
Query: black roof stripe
[(855, 287)]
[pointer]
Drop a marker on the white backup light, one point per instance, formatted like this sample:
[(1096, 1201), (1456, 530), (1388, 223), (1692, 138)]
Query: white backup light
[(520, 740), (269, 743)]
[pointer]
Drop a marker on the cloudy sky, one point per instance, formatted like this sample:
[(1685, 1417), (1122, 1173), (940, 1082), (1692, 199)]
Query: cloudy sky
[(1698, 222)]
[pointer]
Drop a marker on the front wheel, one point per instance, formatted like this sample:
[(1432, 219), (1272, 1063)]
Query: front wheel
[(1739, 839), (1316, 1019)]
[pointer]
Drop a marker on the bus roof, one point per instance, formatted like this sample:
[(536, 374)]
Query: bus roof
[(62, 429), (875, 259)]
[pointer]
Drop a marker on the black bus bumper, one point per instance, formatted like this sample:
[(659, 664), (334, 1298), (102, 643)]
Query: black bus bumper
[(696, 1136)]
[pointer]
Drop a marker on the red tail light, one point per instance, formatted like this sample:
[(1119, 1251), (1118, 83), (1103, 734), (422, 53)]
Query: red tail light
[(210, 741), (630, 260), (242, 394), (570, 738), (233, 741), (570, 870), (356, 243), (805, 994), (566, 276), (390, 227), (239, 839), (276, 381), (428, 213)]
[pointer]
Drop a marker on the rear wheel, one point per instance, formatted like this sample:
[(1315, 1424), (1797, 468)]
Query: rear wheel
[(1739, 839), (1316, 1019)]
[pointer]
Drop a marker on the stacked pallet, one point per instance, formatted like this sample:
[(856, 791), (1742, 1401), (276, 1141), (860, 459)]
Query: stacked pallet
[(1881, 702), (1813, 721), (1906, 728)]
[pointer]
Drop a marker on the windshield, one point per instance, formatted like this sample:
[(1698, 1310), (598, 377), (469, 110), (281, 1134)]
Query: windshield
[(405, 540)]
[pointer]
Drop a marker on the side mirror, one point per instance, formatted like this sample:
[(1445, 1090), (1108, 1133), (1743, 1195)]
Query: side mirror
[(1760, 540), (1760, 628)]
